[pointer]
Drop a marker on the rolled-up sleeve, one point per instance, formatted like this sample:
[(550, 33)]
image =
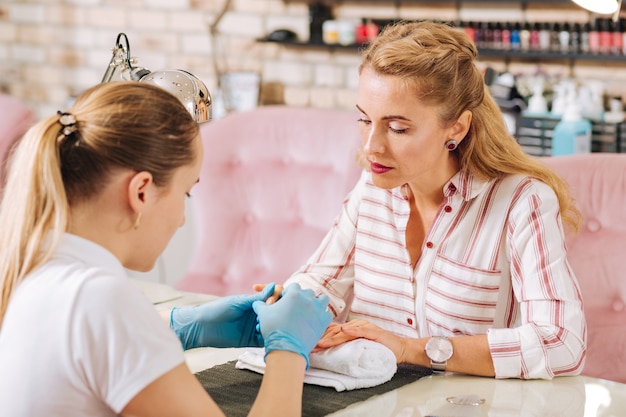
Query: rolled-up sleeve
[(550, 339)]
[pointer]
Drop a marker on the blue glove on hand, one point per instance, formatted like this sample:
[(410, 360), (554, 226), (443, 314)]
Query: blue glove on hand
[(296, 322), (225, 322)]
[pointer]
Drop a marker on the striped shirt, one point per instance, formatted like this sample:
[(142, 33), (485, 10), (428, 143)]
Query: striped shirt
[(494, 261)]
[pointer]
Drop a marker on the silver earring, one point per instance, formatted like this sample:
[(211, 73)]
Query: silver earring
[(451, 145)]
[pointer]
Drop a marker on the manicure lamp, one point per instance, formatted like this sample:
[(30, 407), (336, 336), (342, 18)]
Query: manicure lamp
[(602, 6), (189, 89)]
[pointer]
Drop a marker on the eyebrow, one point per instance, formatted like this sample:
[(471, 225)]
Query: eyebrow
[(389, 117)]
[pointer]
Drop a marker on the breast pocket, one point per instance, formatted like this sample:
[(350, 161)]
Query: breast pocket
[(461, 299)]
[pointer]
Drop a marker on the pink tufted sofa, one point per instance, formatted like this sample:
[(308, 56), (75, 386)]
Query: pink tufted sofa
[(271, 184), (15, 118), (274, 178), (597, 254)]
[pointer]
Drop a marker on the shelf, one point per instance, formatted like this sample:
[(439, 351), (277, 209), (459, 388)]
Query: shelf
[(482, 53), (550, 56), (438, 2)]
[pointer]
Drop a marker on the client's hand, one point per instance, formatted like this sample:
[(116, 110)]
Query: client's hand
[(295, 322), (278, 290), (337, 334), (225, 322)]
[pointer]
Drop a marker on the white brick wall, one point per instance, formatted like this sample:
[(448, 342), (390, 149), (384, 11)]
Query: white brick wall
[(51, 50)]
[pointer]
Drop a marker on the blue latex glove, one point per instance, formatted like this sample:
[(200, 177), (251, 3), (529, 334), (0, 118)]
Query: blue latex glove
[(296, 322), (225, 322)]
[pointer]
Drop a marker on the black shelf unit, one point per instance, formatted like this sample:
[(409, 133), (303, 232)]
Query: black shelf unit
[(533, 55), (534, 134), (482, 52), (438, 2)]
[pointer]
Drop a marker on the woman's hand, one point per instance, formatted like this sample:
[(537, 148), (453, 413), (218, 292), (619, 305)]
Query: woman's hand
[(278, 290), (337, 334)]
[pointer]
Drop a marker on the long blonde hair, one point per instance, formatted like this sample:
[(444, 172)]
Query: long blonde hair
[(118, 125), (438, 62)]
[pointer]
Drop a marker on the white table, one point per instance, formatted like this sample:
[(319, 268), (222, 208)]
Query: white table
[(578, 396)]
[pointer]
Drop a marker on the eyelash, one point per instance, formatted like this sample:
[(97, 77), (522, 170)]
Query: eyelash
[(396, 131), (188, 195)]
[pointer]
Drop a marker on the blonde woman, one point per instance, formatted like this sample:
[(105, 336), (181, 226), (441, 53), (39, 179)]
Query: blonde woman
[(450, 249), (91, 191)]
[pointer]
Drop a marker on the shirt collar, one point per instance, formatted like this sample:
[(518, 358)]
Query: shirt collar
[(90, 253), (465, 184)]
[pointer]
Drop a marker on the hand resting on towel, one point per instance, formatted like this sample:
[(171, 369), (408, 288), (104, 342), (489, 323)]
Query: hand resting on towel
[(360, 363)]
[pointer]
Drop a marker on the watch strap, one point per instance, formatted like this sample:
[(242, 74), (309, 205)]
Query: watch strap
[(438, 366)]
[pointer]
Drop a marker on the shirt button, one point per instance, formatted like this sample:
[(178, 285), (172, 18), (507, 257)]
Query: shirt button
[(409, 320), (429, 245), (447, 209)]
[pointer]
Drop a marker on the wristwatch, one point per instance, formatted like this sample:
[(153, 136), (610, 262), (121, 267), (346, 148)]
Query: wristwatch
[(439, 350)]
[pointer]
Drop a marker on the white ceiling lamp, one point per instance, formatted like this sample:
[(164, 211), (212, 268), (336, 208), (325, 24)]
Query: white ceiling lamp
[(601, 6)]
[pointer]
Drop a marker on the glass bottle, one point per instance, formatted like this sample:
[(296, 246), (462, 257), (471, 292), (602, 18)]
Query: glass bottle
[(584, 38), (544, 37), (534, 36), (594, 38), (555, 40), (515, 36), (617, 43), (506, 36), (564, 38), (524, 37), (574, 39)]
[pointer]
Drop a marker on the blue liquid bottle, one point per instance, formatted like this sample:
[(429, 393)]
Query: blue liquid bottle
[(572, 135)]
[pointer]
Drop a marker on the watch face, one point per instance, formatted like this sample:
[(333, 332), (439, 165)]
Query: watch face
[(439, 349)]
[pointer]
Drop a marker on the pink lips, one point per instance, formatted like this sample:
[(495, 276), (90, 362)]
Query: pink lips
[(378, 168)]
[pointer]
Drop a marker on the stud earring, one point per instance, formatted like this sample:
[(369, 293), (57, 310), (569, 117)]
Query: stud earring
[(451, 145)]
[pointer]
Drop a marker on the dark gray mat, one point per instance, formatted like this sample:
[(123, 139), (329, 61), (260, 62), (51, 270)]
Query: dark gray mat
[(234, 390)]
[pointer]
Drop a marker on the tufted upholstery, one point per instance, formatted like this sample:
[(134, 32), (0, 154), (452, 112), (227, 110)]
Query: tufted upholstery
[(597, 252), (15, 119), (272, 182)]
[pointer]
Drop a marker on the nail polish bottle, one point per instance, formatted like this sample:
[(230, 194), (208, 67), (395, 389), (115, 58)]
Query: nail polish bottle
[(506, 36), (360, 34), (564, 38), (584, 38), (515, 36), (479, 34), (555, 41), (534, 36), (623, 25), (524, 37), (497, 36), (606, 36), (470, 29), (594, 38), (487, 35), (371, 30), (617, 43), (544, 37), (574, 39)]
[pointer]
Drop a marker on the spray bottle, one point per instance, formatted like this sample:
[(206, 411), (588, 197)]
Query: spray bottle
[(572, 135)]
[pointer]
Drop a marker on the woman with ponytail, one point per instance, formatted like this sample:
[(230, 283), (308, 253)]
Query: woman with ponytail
[(91, 191)]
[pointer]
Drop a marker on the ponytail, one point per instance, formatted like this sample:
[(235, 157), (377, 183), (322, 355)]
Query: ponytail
[(33, 205)]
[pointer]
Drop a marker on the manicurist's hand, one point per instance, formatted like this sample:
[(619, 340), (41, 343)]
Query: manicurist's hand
[(337, 334), (225, 322), (295, 322), (278, 290)]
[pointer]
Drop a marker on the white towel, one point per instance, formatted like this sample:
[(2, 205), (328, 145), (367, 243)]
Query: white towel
[(360, 363)]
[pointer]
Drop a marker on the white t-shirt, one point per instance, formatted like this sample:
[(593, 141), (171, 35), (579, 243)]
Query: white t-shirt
[(79, 339)]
